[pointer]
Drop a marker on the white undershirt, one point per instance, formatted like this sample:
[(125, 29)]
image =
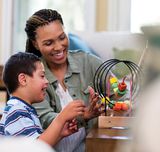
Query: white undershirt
[(63, 95), (74, 142)]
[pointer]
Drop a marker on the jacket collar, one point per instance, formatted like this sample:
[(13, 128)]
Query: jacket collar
[(72, 68)]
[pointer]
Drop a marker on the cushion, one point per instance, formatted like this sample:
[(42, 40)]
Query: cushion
[(121, 70), (76, 43)]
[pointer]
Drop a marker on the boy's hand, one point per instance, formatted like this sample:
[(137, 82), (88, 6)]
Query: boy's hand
[(94, 109), (69, 128), (72, 110)]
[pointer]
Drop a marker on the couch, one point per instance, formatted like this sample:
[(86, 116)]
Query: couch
[(109, 45)]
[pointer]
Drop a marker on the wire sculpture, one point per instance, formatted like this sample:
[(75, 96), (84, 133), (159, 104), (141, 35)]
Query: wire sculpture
[(114, 90)]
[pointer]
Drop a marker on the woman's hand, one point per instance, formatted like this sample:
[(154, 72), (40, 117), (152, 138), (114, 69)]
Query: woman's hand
[(94, 109)]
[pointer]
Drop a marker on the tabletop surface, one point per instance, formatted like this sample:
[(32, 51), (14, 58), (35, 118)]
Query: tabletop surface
[(106, 139)]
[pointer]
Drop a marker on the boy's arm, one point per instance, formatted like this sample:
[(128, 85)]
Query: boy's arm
[(54, 132)]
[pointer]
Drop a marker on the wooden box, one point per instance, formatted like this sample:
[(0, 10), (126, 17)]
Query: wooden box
[(114, 121)]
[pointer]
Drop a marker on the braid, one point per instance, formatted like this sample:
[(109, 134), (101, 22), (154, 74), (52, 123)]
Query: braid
[(39, 18), (31, 49)]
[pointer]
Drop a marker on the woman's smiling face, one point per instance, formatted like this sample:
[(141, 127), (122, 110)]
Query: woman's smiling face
[(52, 42)]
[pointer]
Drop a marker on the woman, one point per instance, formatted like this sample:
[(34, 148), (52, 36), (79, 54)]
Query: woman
[(69, 73)]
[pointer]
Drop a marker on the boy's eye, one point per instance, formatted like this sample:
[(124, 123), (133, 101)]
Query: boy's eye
[(42, 76)]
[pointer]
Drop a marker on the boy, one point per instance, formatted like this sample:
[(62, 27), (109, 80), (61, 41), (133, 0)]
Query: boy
[(24, 77)]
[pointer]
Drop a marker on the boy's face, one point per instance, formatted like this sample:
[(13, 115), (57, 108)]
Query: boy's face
[(37, 84)]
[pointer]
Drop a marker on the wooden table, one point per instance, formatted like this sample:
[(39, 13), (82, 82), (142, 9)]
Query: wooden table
[(105, 140)]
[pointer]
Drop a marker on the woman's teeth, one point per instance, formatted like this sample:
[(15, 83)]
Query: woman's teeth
[(58, 53)]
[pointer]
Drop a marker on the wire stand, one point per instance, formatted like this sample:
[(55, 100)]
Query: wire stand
[(103, 75)]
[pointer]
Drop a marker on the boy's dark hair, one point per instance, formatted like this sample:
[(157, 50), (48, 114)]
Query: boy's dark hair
[(38, 19), (18, 63)]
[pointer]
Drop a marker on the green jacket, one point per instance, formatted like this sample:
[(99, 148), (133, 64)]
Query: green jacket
[(80, 74)]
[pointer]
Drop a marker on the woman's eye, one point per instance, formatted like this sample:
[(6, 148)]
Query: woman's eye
[(48, 43), (62, 37)]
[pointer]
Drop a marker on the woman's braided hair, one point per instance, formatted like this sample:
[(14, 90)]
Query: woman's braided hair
[(39, 18)]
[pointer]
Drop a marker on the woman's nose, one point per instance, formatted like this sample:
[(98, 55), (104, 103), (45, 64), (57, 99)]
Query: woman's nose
[(57, 45)]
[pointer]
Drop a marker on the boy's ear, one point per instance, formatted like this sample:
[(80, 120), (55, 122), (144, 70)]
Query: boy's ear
[(22, 79), (35, 44)]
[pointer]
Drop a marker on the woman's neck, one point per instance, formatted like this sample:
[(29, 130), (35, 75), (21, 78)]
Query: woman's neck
[(59, 72)]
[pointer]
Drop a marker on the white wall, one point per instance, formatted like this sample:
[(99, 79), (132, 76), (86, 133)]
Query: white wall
[(6, 30), (119, 12)]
